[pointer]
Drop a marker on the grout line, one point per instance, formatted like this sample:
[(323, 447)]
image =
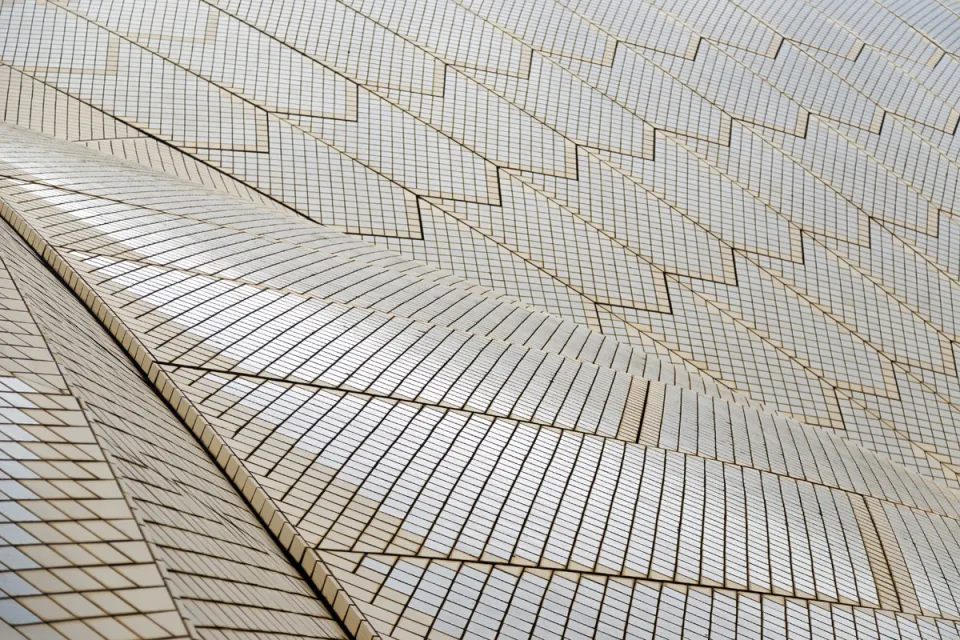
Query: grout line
[(331, 592)]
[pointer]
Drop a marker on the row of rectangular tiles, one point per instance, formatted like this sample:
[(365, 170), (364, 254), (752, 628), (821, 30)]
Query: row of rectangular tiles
[(413, 598), (869, 388), (168, 292), (197, 541), (143, 317), (830, 415), (74, 559), (362, 474)]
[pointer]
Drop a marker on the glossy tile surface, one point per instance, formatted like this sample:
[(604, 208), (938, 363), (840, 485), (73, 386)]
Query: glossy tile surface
[(473, 318)]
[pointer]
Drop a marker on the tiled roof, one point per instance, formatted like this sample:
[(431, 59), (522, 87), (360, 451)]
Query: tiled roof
[(476, 318)]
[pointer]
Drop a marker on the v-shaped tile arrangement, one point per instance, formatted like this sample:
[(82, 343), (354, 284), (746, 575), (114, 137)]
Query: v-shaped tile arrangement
[(469, 318)]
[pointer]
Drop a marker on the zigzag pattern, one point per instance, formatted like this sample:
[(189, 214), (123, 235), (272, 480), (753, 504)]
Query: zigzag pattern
[(763, 194), (647, 212), (420, 445)]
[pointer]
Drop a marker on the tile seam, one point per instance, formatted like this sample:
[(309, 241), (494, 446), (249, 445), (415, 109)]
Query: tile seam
[(326, 587)]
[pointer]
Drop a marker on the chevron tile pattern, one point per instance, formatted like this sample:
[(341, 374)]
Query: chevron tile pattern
[(477, 318)]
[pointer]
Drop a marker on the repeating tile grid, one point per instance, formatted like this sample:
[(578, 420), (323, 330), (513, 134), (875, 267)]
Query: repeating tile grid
[(646, 415), (761, 195), (75, 561), (109, 516)]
